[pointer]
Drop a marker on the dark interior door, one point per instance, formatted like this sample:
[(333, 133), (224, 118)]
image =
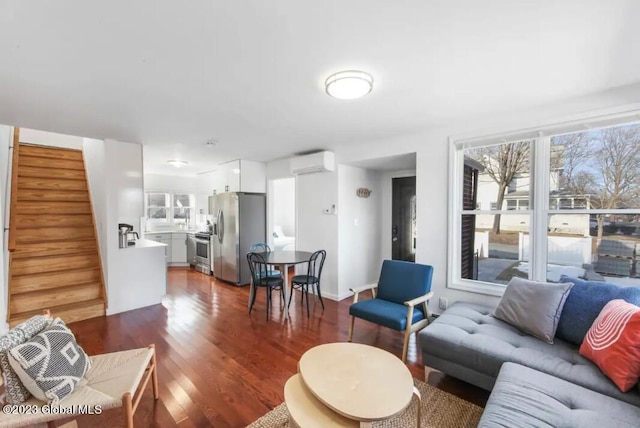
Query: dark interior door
[(403, 239)]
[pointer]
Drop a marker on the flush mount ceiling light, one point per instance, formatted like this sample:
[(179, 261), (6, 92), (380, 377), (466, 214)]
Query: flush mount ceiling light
[(349, 84), (178, 163)]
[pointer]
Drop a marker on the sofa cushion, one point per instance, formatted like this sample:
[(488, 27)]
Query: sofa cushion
[(466, 334), (613, 343), (388, 314), (534, 307), (585, 302), (402, 281), (526, 397)]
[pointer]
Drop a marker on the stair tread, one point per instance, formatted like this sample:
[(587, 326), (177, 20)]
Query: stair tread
[(45, 291), (53, 248), (53, 264), (66, 307)]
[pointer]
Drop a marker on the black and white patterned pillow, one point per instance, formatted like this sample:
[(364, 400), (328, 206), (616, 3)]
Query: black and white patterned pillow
[(51, 363), (16, 392)]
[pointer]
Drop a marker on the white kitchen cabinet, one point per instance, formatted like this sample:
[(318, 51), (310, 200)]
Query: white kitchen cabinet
[(235, 176), (164, 238), (233, 171), (253, 177), (179, 248), (218, 180)]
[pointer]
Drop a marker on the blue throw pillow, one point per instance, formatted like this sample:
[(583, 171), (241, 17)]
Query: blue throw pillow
[(585, 302)]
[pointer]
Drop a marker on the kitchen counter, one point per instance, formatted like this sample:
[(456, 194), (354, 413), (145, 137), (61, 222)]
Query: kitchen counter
[(145, 243), (141, 276)]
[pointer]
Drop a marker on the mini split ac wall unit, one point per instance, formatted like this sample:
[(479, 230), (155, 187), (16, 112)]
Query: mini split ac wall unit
[(314, 162)]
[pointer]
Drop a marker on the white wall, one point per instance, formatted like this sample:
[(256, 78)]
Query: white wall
[(94, 160), (44, 138), (6, 136), (359, 228), (124, 191), (284, 205), (170, 183), (315, 230), (114, 171)]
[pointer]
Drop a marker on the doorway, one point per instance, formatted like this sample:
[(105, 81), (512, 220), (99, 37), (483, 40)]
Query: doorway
[(283, 218), (403, 219)]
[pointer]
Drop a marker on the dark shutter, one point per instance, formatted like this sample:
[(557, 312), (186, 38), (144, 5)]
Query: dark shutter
[(469, 197)]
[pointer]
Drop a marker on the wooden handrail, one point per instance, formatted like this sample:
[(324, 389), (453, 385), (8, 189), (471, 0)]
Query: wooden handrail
[(14, 189)]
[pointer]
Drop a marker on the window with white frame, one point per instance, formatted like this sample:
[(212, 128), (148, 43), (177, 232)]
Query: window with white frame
[(561, 203), (167, 207), (157, 207)]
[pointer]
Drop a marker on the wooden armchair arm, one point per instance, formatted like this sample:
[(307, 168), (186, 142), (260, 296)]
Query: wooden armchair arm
[(357, 290), (419, 299)]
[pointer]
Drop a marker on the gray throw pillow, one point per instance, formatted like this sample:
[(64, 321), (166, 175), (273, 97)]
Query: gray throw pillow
[(16, 392), (533, 307), (51, 363)]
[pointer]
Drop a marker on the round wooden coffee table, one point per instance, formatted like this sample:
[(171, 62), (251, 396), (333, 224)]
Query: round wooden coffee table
[(306, 411), (360, 382)]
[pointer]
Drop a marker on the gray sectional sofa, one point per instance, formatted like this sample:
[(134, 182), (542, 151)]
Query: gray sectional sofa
[(533, 383)]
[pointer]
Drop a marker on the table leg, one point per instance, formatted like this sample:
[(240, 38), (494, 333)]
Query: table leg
[(416, 392), (285, 287)]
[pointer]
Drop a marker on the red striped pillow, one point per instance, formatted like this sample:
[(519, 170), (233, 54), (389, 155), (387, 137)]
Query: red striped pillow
[(613, 343)]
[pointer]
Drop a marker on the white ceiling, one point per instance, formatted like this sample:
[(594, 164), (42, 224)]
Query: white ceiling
[(173, 74)]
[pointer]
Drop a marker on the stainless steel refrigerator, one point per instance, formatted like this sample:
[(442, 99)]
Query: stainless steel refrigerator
[(239, 222)]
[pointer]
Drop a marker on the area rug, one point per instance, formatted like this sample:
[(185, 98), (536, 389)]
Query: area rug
[(439, 410)]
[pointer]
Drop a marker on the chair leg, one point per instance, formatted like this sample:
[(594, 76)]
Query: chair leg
[(319, 295), (405, 347), (306, 292), (407, 333), (154, 374), (353, 319), (293, 288), (127, 409), (253, 299), (268, 301)]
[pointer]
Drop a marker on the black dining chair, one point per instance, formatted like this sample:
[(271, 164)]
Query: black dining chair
[(260, 277), (261, 247), (312, 278)]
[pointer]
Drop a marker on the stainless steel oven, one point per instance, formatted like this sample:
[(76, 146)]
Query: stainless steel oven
[(203, 252)]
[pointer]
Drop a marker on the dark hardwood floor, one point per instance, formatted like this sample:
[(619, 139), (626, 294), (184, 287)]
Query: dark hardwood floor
[(219, 366)]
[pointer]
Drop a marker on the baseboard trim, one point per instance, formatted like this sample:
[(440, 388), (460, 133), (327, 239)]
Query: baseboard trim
[(336, 297)]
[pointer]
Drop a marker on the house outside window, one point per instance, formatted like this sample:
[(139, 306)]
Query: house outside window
[(575, 209)]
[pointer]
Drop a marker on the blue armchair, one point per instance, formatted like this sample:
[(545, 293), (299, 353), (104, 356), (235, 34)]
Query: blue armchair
[(399, 299)]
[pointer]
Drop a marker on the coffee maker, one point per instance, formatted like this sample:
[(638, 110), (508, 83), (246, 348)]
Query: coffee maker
[(126, 235)]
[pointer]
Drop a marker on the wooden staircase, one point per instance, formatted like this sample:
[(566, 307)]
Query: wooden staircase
[(54, 260)]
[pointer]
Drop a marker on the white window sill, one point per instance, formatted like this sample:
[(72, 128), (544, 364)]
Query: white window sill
[(478, 287)]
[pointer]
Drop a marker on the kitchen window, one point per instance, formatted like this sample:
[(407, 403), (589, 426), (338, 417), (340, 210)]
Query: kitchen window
[(575, 210), (170, 208), (157, 207)]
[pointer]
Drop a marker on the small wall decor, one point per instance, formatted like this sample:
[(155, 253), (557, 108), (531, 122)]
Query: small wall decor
[(363, 192)]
